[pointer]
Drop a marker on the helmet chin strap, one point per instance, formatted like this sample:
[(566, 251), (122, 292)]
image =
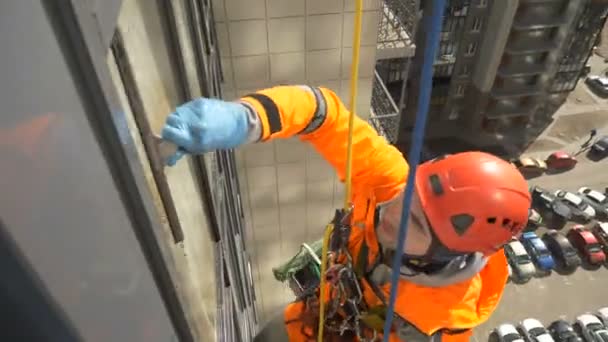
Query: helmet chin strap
[(436, 257)]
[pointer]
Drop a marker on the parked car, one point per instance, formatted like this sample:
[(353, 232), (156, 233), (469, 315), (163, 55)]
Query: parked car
[(530, 167), (599, 85), (587, 245), (580, 209), (533, 330), (562, 250), (508, 333), (560, 160), (562, 331), (555, 213), (591, 328), (600, 146), (597, 200), (534, 219), (519, 260), (600, 230), (602, 314), (539, 252)]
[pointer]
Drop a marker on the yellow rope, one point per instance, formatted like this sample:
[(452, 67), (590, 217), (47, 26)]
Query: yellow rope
[(354, 76), (328, 230)]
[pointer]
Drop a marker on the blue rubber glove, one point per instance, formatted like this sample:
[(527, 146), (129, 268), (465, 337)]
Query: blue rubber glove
[(204, 125)]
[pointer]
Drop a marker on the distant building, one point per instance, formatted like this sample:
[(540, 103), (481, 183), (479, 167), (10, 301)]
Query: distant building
[(503, 66)]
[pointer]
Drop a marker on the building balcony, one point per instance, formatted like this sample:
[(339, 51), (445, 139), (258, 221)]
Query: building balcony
[(532, 23), (510, 92), (533, 40), (498, 108), (385, 115), (536, 2), (394, 36), (529, 46), (521, 69)]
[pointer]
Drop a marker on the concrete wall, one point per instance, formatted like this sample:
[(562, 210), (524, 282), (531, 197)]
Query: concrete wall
[(289, 191), (148, 53), (493, 44)]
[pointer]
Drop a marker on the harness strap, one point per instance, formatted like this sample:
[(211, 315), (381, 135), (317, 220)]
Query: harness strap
[(375, 317)]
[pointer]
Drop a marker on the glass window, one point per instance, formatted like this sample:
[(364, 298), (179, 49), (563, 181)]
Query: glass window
[(460, 90), (471, 49), (464, 70), (454, 114), (476, 25), (523, 259)]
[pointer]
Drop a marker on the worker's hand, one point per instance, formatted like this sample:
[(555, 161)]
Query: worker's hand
[(204, 125)]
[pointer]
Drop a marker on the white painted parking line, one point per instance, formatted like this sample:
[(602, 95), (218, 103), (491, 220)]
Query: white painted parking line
[(540, 284)]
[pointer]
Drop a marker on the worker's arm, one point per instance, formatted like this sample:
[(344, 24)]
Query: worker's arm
[(317, 116)]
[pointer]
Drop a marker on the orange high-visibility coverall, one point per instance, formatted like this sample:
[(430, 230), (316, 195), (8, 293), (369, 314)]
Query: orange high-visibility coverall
[(379, 173)]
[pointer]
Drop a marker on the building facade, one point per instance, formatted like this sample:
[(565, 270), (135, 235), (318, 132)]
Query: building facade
[(501, 68)]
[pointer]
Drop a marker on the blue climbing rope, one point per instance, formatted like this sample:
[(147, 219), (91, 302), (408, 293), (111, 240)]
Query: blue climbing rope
[(432, 28)]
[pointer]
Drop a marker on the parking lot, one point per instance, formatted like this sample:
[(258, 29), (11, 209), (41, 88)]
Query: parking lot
[(556, 295)]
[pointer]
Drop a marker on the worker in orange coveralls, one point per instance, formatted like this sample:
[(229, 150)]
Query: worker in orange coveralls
[(465, 207)]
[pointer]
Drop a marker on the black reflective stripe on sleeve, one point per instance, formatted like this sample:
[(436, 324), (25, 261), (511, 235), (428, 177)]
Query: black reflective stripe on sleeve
[(320, 112), (272, 111)]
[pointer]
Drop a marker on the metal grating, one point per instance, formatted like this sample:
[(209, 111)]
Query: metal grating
[(579, 47), (391, 31), (237, 317), (384, 112), (405, 14)]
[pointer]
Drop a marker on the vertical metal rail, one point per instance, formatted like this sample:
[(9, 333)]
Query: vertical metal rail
[(135, 102), (236, 311)]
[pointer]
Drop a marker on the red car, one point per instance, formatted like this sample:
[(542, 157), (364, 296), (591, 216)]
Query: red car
[(587, 244), (560, 160)]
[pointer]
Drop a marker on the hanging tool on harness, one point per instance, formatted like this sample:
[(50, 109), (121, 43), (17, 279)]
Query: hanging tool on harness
[(346, 313)]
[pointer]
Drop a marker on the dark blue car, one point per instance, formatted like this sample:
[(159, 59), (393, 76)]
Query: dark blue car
[(538, 251)]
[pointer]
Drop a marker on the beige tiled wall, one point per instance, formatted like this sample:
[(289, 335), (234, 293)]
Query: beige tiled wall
[(289, 191)]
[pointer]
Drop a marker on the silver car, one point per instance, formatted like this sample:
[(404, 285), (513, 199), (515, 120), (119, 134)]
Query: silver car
[(508, 333), (519, 260), (580, 209), (534, 331), (602, 314), (591, 328)]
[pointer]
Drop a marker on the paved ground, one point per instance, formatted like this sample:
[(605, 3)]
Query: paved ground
[(558, 295)]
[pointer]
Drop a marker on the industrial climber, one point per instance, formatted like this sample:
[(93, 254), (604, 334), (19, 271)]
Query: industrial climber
[(465, 207)]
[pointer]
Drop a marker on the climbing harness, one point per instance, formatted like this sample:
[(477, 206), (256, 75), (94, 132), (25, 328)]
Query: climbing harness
[(335, 275)]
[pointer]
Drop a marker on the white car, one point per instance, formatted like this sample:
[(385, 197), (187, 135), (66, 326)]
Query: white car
[(591, 328), (507, 333), (580, 208), (520, 260), (597, 200), (534, 330), (602, 314), (593, 194)]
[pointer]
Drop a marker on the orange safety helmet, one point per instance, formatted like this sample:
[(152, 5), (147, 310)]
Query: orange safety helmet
[(474, 201)]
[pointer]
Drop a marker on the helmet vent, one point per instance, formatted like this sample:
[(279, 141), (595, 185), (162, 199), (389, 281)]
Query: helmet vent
[(491, 220), (436, 184), (461, 222)]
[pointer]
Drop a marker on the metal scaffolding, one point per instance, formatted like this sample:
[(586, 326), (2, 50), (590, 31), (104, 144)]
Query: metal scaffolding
[(396, 47), (384, 112), (406, 12)]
